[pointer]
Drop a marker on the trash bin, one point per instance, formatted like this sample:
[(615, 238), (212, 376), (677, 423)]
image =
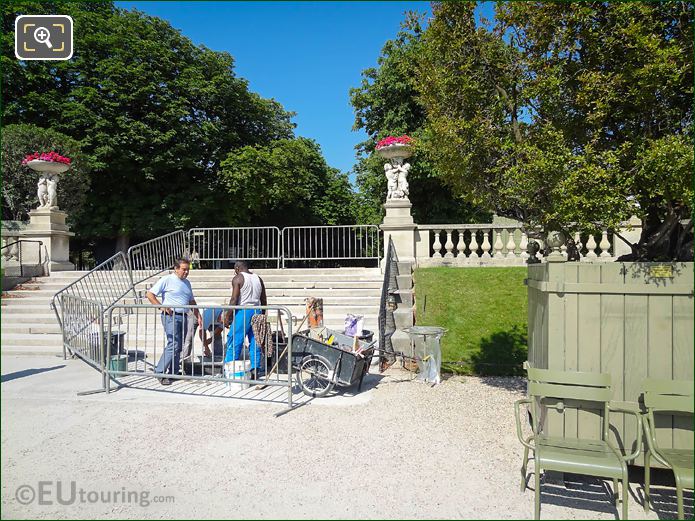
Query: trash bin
[(117, 343), (428, 351)]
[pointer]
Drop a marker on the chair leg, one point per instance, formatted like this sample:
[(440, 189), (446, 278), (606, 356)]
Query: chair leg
[(647, 498), (615, 492), (537, 495), (625, 497), (679, 497), (523, 470)]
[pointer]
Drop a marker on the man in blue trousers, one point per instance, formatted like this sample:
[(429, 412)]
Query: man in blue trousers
[(247, 290), (175, 290)]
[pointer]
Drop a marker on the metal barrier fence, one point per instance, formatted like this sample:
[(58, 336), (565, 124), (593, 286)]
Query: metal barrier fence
[(83, 321), (302, 243), (152, 257), (216, 244), (217, 351), (106, 284), (387, 324)]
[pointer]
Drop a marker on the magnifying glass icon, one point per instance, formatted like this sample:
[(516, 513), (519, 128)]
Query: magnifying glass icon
[(42, 35)]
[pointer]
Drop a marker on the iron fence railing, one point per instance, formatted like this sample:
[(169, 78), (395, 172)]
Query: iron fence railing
[(152, 257), (387, 323), (218, 244), (15, 251), (317, 243)]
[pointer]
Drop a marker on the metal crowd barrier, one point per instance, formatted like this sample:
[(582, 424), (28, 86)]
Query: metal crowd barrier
[(216, 244), (152, 257), (135, 349), (106, 284), (300, 243)]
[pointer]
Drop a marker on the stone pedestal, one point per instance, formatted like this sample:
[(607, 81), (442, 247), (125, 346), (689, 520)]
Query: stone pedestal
[(399, 226), (48, 225)]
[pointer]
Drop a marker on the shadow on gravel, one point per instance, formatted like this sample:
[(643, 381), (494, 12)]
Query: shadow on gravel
[(27, 372), (580, 492)]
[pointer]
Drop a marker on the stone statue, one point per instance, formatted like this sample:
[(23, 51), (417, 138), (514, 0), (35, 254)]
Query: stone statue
[(392, 180), (52, 187), (403, 188), (42, 192)]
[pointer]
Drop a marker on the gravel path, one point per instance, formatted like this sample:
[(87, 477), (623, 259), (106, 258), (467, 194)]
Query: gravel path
[(400, 449)]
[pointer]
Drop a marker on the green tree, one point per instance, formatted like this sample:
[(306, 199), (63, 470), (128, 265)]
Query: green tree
[(385, 104), (567, 115), (288, 182), (19, 181), (156, 113)]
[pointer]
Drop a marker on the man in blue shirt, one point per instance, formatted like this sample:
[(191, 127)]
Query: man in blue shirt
[(175, 291)]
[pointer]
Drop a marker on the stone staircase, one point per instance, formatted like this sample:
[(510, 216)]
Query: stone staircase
[(30, 326)]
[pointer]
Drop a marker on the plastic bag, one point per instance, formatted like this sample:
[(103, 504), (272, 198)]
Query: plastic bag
[(353, 325)]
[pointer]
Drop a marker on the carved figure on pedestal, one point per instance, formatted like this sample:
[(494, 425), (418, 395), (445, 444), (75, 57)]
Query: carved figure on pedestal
[(42, 192), (403, 188), (392, 180), (52, 186)]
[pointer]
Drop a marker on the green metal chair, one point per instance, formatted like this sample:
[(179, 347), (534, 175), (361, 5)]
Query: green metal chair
[(593, 457), (667, 397)]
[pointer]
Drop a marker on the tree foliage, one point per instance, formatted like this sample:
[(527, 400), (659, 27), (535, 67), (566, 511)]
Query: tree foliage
[(566, 115), (19, 181), (288, 182), (386, 104), (155, 113)]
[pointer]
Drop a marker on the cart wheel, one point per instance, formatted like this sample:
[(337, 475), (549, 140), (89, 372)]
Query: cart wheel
[(315, 376)]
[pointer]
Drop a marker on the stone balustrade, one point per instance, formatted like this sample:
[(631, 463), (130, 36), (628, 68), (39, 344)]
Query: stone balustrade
[(499, 245)]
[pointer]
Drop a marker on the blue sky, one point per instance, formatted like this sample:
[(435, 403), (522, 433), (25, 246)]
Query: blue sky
[(305, 55)]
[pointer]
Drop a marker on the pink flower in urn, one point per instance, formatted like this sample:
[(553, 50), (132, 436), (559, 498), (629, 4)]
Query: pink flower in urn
[(392, 140), (51, 157)]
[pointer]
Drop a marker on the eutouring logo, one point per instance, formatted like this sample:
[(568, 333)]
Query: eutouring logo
[(68, 493)]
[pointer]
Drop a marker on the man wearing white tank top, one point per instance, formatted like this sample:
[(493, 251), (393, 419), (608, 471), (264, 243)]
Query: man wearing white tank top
[(247, 290)]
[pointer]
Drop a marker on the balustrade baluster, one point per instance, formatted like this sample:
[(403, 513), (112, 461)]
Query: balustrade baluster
[(486, 245), (523, 245), (473, 246), (449, 245), (437, 246), (498, 244), (461, 246), (511, 245), (604, 245), (591, 246), (578, 244)]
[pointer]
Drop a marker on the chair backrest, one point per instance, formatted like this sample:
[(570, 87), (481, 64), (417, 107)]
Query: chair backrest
[(674, 396), (575, 386), (569, 385)]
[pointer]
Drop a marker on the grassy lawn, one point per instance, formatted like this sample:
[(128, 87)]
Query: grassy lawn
[(484, 310)]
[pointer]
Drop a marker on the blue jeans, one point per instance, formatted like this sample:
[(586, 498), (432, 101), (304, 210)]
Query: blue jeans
[(175, 330), (241, 328)]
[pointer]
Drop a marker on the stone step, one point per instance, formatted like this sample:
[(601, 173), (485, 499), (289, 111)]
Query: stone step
[(53, 287), (224, 291), (31, 340), (29, 318)]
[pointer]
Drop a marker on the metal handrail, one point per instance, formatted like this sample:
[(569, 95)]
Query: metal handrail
[(19, 257)]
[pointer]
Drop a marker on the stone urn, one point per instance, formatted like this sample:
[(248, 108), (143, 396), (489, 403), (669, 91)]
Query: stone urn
[(397, 152), (47, 188), (47, 167)]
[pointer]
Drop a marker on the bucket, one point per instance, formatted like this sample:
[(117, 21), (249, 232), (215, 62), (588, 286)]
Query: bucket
[(237, 370), (118, 363)]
